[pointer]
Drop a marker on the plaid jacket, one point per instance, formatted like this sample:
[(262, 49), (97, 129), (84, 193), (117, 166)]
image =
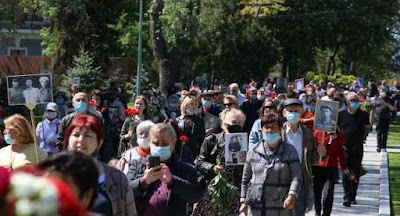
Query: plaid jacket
[(115, 185)]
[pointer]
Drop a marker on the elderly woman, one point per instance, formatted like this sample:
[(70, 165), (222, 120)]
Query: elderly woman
[(191, 125), (21, 148), (213, 148), (85, 134), (255, 133), (140, 151), (272, 173), (128, 130), (163, 189)]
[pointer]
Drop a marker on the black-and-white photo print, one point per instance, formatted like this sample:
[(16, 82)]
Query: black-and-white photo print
[(326, 114), (29, 89)]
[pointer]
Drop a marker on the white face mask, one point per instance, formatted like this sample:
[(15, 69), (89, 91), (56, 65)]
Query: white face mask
[(143, 142), (51, 115)]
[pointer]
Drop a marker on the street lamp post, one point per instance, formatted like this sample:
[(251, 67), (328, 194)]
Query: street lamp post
[(139, 60)]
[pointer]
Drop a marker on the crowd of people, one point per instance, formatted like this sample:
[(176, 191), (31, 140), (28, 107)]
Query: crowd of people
[(159, 157)]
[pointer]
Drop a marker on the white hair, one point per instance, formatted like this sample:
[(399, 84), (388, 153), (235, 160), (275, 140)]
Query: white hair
[(233, 111), (144, 125), (351, 95), (233, 85), (162, 128), (43, 78)]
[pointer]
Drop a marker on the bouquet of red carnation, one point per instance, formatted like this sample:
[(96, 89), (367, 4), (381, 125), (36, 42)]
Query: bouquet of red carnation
[(131, 112)]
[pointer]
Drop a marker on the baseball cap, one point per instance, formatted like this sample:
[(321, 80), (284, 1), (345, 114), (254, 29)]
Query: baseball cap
[(52, 107)]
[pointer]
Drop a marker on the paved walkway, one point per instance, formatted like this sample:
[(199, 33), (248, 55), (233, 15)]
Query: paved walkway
[(368, 190)]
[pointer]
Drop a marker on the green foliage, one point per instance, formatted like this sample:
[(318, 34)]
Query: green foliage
[(83, 67), (222, 194)]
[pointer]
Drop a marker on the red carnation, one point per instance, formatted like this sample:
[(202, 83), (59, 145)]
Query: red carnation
[(131, 112), (183, 138)]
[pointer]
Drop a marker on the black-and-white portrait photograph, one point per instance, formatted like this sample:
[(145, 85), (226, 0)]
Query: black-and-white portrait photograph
[(281, 85), (299, 84), (326, 114), (235, 148), (29, 89)]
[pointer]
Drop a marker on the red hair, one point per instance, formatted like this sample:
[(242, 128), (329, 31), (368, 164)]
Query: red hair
[(90, 122)]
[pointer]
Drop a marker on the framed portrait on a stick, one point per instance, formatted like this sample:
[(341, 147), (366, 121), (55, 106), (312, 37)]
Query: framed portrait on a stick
[(235, 148), (281, 85), (299, 84), (326, 115), (29, 89)]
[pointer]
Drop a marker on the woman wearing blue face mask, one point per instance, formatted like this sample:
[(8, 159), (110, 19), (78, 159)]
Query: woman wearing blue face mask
[(167, 188), (191, 124), (272, 173), (21, 148)]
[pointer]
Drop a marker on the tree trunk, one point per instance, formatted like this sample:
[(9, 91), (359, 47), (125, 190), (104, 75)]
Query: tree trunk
[(159, 46)]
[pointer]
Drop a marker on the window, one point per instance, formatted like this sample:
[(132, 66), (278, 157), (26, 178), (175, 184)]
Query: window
[(17, 51)]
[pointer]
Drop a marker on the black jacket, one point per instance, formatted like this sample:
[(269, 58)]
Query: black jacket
[(185, 188), (193, 127)]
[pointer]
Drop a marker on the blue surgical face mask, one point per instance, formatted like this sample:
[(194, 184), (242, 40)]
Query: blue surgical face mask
[(172, 106), (253, 97), (8, 139), (271, 138), (206, 104), (98, 102), (189, 111), (80, 107), (354, 105), (163, 152), (293, 117), (60, 101)]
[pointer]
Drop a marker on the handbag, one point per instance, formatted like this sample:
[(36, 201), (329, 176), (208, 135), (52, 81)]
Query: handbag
[(255, 192)]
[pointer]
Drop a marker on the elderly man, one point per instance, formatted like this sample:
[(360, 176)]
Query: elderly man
[(163, 188), (330, 92), (250, 108), (80, 104), (234, 90), (305, 144), (45, 93), (354, 124)]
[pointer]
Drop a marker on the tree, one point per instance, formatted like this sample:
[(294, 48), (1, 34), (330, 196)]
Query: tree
[(90, 75)]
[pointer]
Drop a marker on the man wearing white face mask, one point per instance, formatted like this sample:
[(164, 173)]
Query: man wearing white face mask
[(167, 188), (47, 130), (305, 144)]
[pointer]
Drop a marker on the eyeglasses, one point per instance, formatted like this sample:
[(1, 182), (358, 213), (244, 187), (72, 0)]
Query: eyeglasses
[(269, 107), (292, 111)]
